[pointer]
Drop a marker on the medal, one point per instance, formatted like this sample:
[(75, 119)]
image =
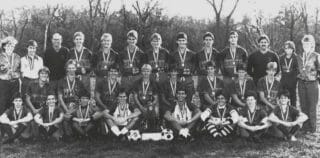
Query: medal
[(78, 58), (287, 65), (213, 87), (242, 88), (156, 57), (17, 115), (285, 118), (183, 57), (31, 62), (208, 55), (150, 108), (71, 87), (131, 58), (251, 117), (173, 88), (108, 55), (86, 113), (145, 87), (305, 57), (224, 112), (269, 88), (111, 86)]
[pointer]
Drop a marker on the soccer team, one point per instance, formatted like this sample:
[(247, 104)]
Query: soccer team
[(181, 94)]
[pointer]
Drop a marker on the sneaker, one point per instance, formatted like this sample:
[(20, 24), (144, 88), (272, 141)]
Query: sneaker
[(293, 139)]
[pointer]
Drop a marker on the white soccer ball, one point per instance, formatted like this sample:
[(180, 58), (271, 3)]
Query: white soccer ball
[(134, 135)]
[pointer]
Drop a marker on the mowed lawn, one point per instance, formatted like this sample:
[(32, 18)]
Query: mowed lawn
[(199, 148)]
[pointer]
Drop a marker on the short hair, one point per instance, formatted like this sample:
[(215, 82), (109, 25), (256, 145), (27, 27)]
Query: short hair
[(233, 33), (173, 68), (76, 34), (84, 93), (223, 93), (69, 62), (181, 88), (7, 40), (284, 92), (32, 43), (210, 64), (132, 33), (208, 34), (272, 65), (57, 35), (241, 67), (105, 36), (155, 36), (122, 90), (182, 35), (16, 96), (146, 66), (44, 69), (114, 67), (290, 45), (251, 93), (308, 38), (263, 37)]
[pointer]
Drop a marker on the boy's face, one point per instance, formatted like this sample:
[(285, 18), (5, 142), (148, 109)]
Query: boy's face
[(43, 76), (9, 47), (17, 102), (122, 98), (181, 95), (307, 46), (242, 73), (173, 75), (51, 100), (84, 101), (288, 50), (210, 70), (264, 44), (233, 39), (56, 40), (106, 42), (156, 43), (221, 100), (182, 42), (32, 50), (284, 100), (208, 41), (251, 101), (146, 73), (113, 73), (132, 40), (71, 68), (78, 40)]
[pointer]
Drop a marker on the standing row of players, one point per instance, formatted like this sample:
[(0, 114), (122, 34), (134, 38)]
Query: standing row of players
[(232, 62)]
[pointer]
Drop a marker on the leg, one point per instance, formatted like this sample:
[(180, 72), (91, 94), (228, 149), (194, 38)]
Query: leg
[(312, 102)]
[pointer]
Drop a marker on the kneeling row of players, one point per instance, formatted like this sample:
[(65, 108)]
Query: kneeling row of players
[(180, 121)]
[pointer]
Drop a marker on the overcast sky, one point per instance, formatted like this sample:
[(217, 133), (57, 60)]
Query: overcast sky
[(199, 9)]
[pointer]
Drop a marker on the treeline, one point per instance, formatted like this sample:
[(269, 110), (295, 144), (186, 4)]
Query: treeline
[(40, 23)]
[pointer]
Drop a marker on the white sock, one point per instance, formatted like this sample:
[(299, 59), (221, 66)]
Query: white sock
[(124, 130), (115, 130)]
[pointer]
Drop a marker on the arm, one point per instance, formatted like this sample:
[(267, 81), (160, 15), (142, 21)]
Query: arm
[(196, 116), (264, 100), (301, 118), (208, 98), (135, 114), (142, 109), (234, 117), (4, 119), (237, 100), (57, 120), (250, 66), (99, 101), (62, 103), (28, 118), (273, 118), (38, 119), (29, 103), (205, 114)]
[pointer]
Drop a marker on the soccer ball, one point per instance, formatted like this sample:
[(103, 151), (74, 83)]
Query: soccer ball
[(134, 135), (167, 134)]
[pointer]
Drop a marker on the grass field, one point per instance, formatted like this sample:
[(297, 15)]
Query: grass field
[(199, 148)]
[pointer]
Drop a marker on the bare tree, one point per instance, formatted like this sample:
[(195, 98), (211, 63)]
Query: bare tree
[(218, 18), (53, 15), (305, 16), (316, 21)]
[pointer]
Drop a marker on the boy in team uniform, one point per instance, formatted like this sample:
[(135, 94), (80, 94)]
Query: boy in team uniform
[(286, 119), (123, 115), (146, 97), (268, 87), (253, 120), (16, 119), (49, 119), (220, 118), (106, 56), (207, 54), (132, 58), (85, 118), (240, 86), (209, 86), (182, 115), (159, 59)]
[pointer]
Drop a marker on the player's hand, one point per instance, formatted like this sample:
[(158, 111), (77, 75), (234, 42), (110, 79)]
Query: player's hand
[(182, 122), (83, 70)]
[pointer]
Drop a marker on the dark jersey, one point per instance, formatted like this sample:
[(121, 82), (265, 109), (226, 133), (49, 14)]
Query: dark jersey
[(13, 115), (104, 61), (108, 92), (138, 59), (241, 90), (289, 69), (290, 115), (210, 87), (85, 59), (255, 118), (152, 90), (187, 67), (222, 113), (257, 64), (44, 114), (70, 94), (160, 61), (271, 94), (56, 61), (229, 62), (202, 59), (38, 95)]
